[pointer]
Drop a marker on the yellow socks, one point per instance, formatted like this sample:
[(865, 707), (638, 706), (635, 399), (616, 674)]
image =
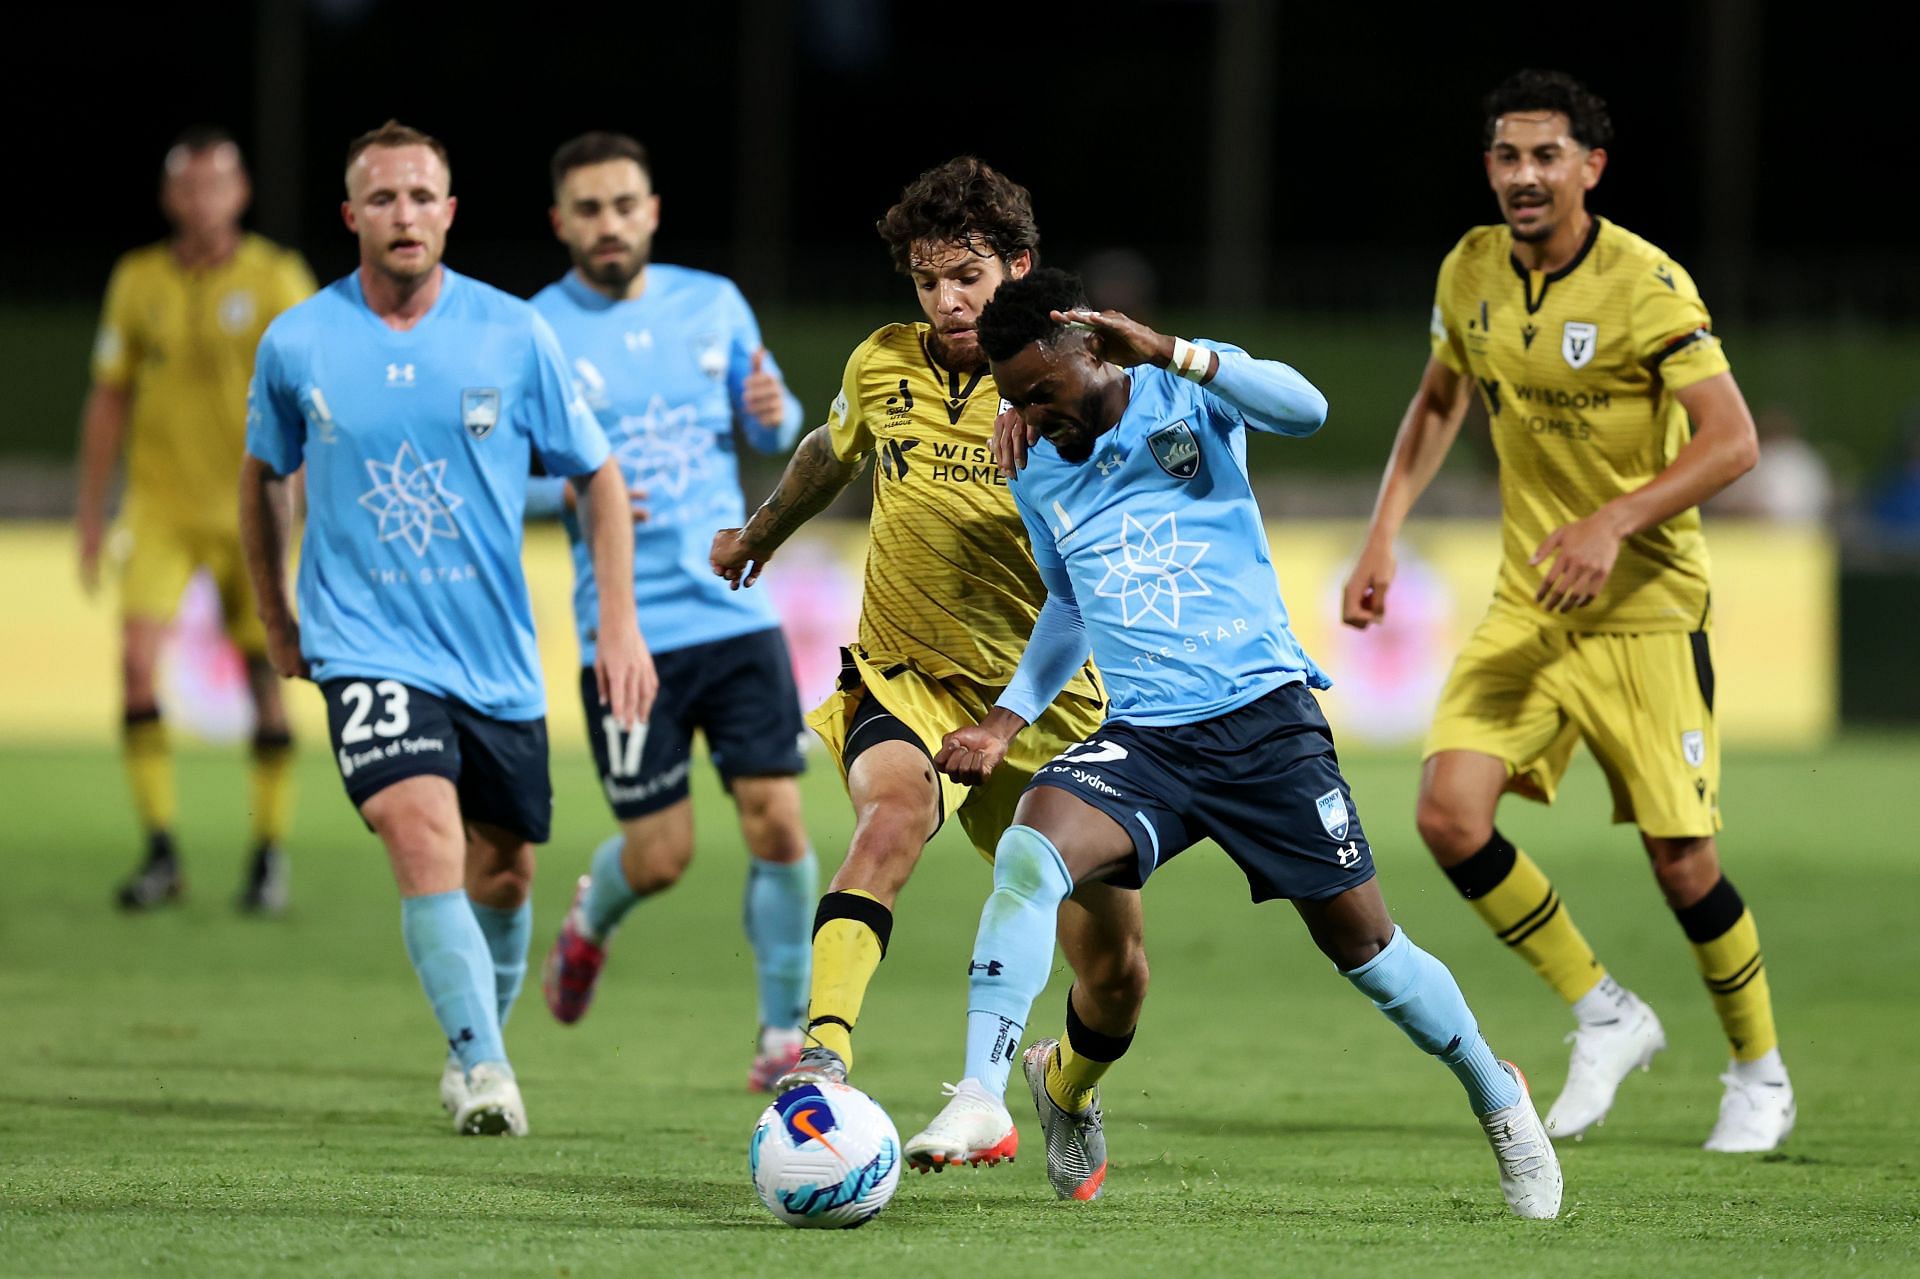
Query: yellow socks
[(149, 764), (1726, 945), (850, 934), (1084, 1056), (271, 779), (1517, 901)]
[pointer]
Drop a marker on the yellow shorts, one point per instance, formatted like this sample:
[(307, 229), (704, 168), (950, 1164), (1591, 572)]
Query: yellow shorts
[(157, 560), (1527, 692), (932, 708)]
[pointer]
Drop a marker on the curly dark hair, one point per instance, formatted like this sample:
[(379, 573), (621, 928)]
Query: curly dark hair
[(964, 201), (1533, 90), (1020, 311)]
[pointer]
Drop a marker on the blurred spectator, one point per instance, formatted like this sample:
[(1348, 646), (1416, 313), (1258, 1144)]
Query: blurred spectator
[(1790, 483), (1895, 500)]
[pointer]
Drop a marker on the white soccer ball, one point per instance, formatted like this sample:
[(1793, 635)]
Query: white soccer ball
[(825, 1155)]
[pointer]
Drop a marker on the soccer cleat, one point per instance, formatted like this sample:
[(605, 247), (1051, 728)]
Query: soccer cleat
[(776, 1055), (1076, 1142), (154, 884), (268, 886), (1603, 1056), (574, 963), (1754, 1116), (814, 1065), (492, 1107), (453, 1086), (1529, 1170), (972, 1128)]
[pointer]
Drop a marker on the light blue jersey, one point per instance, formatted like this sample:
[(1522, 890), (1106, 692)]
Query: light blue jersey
[(1155, 544), (418, 446), (664, 373)]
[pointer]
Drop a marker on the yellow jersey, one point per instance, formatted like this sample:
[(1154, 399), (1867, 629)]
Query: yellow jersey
[(181, 343), (951, 586), (1577, 368)]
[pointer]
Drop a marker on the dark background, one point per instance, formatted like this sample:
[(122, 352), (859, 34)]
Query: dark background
[(1755, 141)]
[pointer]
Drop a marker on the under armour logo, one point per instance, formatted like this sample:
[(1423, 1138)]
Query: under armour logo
[(641, 340), (1107, 465), (399, 374), (464, 1037), (991, 968), (1349, 855)]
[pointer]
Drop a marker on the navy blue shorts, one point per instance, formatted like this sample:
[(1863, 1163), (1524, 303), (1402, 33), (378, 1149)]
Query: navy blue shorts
[(1262, 781), (385, 731), (739, 693)]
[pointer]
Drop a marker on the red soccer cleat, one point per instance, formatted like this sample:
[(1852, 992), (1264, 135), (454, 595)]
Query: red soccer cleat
[(573, 965)]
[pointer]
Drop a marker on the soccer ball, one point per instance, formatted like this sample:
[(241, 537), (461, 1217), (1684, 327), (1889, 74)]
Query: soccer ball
[(825, 1155)]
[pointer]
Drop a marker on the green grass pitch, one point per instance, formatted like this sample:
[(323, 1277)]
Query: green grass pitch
[(198, 1094)]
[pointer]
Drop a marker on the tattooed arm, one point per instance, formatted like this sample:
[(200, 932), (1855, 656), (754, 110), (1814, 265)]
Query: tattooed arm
[(814, 477)]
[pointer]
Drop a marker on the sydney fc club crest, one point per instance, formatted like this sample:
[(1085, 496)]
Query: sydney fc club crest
[(1333, 813), (1577, 342), (479, 411), (1175, 449)]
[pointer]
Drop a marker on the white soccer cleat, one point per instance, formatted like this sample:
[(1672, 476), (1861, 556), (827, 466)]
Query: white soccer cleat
[(973, 1128), (453, 1086), (493, 1106), (1754, 1116), (1529, 1170), (1603, 1057), (1076, 1142)]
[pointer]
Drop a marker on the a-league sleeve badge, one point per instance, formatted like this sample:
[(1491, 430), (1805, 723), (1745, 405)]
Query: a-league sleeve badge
[(1577, 342), (479, 410)]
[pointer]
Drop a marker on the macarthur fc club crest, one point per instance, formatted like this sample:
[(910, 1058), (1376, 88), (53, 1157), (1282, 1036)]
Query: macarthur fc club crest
[(1175, 449), (1577, 342), (480, 410)]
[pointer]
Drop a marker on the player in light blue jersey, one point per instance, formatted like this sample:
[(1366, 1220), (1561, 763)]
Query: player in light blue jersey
[(1147, 534), (417, 400), (669, 359)]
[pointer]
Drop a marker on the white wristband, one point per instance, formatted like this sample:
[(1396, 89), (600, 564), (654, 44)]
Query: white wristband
[(1189, 361)]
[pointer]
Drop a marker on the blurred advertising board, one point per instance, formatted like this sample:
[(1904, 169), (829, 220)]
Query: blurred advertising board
[(1774, 632)]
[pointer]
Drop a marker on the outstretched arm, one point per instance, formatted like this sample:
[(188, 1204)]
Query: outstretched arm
[(1427, 430), (1723, 448), (815, 475)]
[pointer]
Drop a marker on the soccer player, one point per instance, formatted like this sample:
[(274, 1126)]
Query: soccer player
[(951, 591), (667, 359), (1592, 352), (170, 370), (418, 399), (1146, 531)]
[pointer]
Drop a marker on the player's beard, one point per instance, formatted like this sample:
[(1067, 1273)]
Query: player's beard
[(614, 274), (964, 360)]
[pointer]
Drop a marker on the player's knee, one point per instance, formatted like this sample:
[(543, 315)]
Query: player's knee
[(1685, 868), (654, 865), (770, 822), (887, 838), (1027, 865), (1450, 832)]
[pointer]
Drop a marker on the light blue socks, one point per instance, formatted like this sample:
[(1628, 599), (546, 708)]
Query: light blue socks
[(449, 952), (508, 933), (609, 898), (1013, 951), (1420, 996), (778, 917)]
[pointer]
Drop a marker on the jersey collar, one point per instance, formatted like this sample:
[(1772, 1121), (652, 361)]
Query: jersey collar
[(1553, 277)]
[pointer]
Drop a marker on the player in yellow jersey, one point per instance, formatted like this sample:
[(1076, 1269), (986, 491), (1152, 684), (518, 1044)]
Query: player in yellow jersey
[(1592, 351), (951, 594), (170, 373)]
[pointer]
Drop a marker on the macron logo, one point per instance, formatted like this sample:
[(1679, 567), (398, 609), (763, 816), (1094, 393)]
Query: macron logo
[(399, 375)]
